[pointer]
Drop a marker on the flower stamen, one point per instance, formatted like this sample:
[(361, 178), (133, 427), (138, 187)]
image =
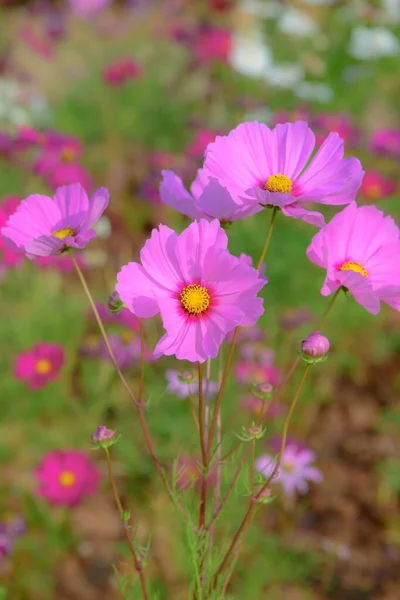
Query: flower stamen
[(279, 183), (63, 233), (67, 478), (43, 366), (354, 266), (195, 299)]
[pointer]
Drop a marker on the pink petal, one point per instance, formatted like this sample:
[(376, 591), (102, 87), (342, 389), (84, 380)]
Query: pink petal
[(174, 194), (97, 205), (45, 246), (158, 257), (294, 143), (73, 203), (308, 216), (361, 290), (136, 289)]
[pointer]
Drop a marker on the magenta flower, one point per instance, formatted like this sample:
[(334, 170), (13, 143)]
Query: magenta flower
[(212, 44), (207, 199), (66, 477), (44, 226), (8, 258), (200, 142), (184, 390), (360, 249), (386, 142), (200, 290), (257, 165), (376, 186), (39, 365), (87, 9), (122, 70), (295, 470)]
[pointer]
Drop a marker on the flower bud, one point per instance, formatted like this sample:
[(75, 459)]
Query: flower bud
[(187, 376), (255, 431), (103, 437), (263, 390), (115, 303), (315, 348)]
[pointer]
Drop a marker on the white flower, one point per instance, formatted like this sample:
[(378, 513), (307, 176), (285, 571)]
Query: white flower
[(298, 23), (250, 55), (284, 75), (368, 43), (314, 90)]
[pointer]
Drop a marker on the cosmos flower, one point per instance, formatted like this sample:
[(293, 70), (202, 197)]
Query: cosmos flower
[(200, 290), (257, 165), (376, 186), (66, 477), (122, 70), (39, 365), (8, 258), (43, 226), (295, 471), (360, 250), (386, 142), (177, 386)]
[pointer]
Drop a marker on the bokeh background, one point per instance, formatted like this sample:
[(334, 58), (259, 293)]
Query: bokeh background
[(109, 94)]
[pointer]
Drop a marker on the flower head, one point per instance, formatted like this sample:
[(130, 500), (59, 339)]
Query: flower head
[(315, 347), (43, 226), (177, 385), (360, 250), (122, 70), (103, 437), (376, 186), (295, 471), (66, 477), (386, 142), (8, 258), (200, 290), (257, 165), (39, 365)]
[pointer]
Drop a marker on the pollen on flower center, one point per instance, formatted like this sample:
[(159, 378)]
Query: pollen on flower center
[(279, 183), (354, 266), (62, 233), (43, 366), (68, 154), (288, 467), (66, 478), (195, 299)]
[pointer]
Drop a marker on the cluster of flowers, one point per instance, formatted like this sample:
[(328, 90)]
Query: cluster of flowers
[(201, 291)]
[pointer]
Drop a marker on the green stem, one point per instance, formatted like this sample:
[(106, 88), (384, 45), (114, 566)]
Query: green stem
[(268, 238)]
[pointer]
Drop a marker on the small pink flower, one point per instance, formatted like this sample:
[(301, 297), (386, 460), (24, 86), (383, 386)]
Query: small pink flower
[(386, 142), (66, 477), (44, 226), (200, 142), (360, 250), (8, 258), (200, 290), (246, 372), (376, 186), (122, 70), (212, 44), (87, 9), (257, 165), (338, 122), (39, 365), (184, 390), (295, 471)]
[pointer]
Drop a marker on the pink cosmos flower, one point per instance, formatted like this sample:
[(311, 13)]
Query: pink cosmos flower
[(257, 165), (208, 199), (386, 142), (295, 470), (184, 390), (200, 290), (8, 259), (212, 44), (66, 477), (360, 249), (122, 70), (44, 226), (39, 365), (341, 123), (375, 186)]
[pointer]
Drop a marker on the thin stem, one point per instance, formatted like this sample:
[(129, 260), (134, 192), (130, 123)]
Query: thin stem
[(137, 563), (231, 451), (203, 499), (268, 237), (253, 502), (193, 411), (328, 308), (142, 360), (252, 460), (138, 404)]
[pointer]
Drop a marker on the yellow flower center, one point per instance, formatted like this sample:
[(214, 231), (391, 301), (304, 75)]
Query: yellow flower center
[(195, 299), (68, 154), (62, 233), (279, 183), (43, 366), (374, 191), (288, 467), (126, 336), (354, 266), (66, 478)]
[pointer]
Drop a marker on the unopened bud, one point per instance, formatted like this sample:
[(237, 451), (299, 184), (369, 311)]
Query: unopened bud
[(103, 437), (315, 348), (115, 303), (263, 390), (187, 376), (255, 431)]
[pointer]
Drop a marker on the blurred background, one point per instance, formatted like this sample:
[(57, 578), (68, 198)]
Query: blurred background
[(109, 93)]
